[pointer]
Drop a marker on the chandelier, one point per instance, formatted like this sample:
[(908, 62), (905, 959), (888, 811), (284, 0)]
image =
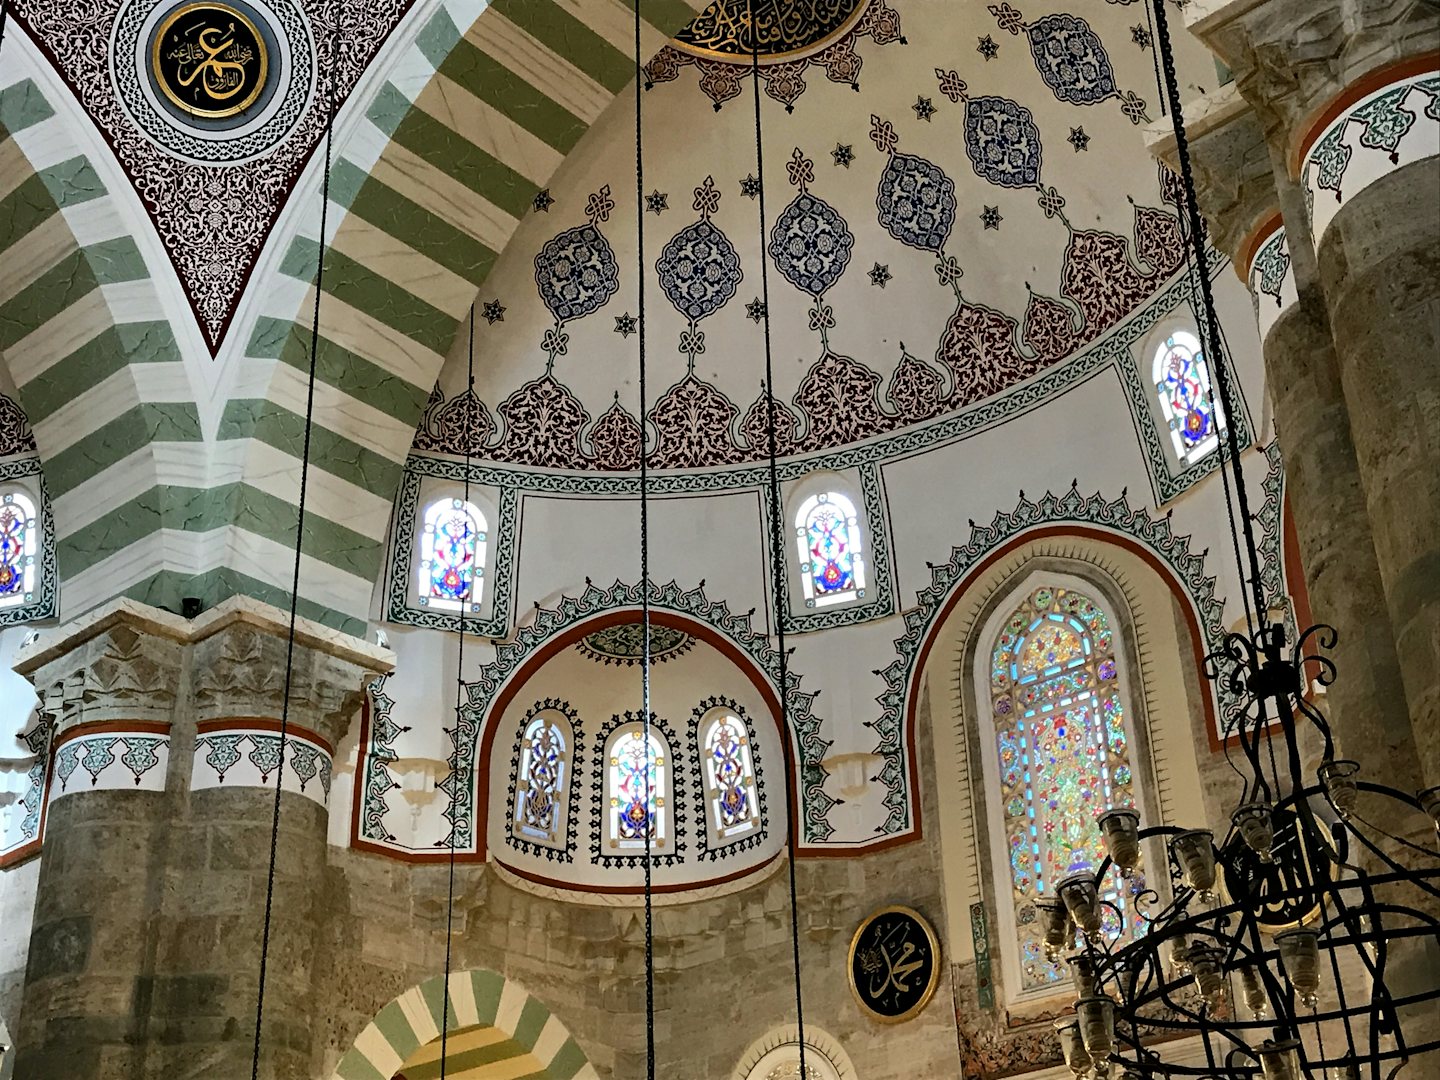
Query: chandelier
[(1292, 944)]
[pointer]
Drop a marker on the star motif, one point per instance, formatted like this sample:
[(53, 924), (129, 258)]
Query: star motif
[(657, 202), (756, 309), (843, 154), (494, 312), (543, 200), (1078, 139), (880, 274), (991, 217), (1140, 36), (924, 108), (625, 324), (987, 48), (750, 186)]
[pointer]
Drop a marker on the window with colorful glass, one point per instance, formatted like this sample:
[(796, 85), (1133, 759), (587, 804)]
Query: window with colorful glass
[(452, 556), (637, 789), (828, 537), (729, 772), (18, 542), (1189, 408), (1063, 758), (545, 754)]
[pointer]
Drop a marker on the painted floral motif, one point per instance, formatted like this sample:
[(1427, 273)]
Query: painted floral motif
[(576, 273), (624, 644), (1071, 59), (265, 754), (811, 244), (615, 439), (141, 754), (67, 760), (1272, 263), (15, 434), (838, 398), (221, 752), (1002, 141), (692, 427), (755, 428), (699, 268), (1050, 330), (916, 390), (462, 425), (542, 422), (979, 347), (916, 202)]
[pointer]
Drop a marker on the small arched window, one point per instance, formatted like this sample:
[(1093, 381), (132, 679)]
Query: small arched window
[(828, 537), (18, 543), (637, 782), (542, 780), (1187, 403), (1062, 756), (452, 556), (728, 770)]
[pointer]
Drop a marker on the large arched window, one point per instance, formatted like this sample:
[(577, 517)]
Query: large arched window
[(542, 778), (1061, 757), (18, 543), (732, 800), (828, 537), (1187, 403), (452, 556), (637, 782)]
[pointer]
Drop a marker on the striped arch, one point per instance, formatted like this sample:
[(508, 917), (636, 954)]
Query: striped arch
[(518, 1026), (474, 118)]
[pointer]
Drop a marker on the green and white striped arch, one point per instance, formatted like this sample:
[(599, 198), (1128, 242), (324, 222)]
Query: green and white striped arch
[(157, 497), (496, 1029)]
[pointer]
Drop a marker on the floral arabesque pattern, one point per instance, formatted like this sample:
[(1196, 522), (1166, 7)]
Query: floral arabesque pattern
[(811, 244), (916, 202), (576, 273), (1002, 141), (1071, 59)]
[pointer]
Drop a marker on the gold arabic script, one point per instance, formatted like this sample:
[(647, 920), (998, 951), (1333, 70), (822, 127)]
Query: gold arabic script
[(778, 27), (215, 60)]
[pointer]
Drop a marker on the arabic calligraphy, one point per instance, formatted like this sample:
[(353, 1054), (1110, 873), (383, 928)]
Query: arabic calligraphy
[(210, 60), (1287, 891), (779, 28), (894, 963)]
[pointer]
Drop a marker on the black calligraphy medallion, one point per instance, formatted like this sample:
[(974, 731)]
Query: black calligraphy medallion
[(894, 964), (780, 28), (1286, 891), (210, 60)]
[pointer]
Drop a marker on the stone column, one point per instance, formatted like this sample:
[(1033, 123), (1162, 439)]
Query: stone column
[(151, 903)]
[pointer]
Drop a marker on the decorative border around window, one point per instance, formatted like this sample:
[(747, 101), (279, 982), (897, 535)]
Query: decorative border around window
[(46, 604), (1170, 479), (757, 836), (880, 604), (572, 795), (500, 574), (678, 811)]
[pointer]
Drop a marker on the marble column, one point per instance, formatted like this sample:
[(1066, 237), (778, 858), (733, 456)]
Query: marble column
[(155, 876)]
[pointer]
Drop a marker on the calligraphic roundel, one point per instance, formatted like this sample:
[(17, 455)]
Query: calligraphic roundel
[(779, 29), (894, 964), (210, 60)]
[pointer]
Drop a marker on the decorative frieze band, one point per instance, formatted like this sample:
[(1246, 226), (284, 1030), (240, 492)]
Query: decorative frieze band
[(1270, 275), (1367, 134), (247, 754), (111, 756)]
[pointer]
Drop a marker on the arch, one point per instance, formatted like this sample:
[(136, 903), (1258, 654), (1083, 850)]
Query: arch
[(472, 999), (450, 564), (1189, 409), (544, 789), (780, 1046), (729, 778), (551, 630), (626, 800), (831, 548)]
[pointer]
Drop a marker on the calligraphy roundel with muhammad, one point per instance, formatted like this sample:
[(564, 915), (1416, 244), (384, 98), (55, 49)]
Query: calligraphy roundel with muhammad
[(894, 964), (781, 29), (209, 60)]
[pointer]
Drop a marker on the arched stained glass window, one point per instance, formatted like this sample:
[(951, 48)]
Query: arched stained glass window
[(828, 535), (544, 774), (1182, 381), (18, 541), (1063, 757), (637, 789), (452, 556), (729, 773)]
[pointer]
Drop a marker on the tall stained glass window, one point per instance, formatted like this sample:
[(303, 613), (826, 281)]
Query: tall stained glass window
[(1063, 757), (452, 556), (1182, 381), (545, 755), (832, 564), (729, 772), (18, 536), (637, 789)]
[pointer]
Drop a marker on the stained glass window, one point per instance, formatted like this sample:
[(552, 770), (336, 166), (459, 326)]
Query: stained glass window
[(543, 776), (637, 776), (729, 770), (1063, 758), (452, 556), (832, 566), (1182, 381), (18, 536)]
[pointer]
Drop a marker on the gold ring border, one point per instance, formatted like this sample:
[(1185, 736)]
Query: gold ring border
[(915, 1009), (811, 49), (209, 114)]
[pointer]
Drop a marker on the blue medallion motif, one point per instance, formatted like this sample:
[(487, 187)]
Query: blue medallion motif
[(699, 270), (1071, 59), (916, 201), (576, 273), (811, 244), (1002, 142)]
